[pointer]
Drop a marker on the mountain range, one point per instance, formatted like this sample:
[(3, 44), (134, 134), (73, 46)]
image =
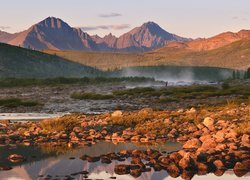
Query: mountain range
[(53, 33), (152, 46)]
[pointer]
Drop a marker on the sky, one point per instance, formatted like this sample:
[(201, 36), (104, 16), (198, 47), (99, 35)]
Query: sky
[(187, 18)]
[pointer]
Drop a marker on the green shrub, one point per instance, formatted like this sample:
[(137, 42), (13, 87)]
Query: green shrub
[(225, 86), (15, 102)]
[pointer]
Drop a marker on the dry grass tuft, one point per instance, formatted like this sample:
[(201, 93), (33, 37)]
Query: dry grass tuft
[(65, 123)]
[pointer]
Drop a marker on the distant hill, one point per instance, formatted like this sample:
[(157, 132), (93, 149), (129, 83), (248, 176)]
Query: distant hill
[(20, 62), (234, 55), (53, 33), (215, 42)]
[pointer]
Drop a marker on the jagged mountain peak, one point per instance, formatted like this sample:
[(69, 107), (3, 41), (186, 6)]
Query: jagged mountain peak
[(150, 24), (52, 22)]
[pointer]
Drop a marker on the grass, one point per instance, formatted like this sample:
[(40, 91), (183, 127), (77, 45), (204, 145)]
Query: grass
[(168, 99), (91, 96), (65, 123), (243, 128), (175, 94), (14, 82), (15, 102), (134, 118), (229, 56), (134, 91)]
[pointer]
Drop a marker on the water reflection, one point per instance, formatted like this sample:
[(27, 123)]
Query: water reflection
[(60, 163)]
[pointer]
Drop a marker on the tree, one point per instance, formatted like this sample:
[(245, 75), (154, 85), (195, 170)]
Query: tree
[(234, 75), (237, 74), (248, 73)]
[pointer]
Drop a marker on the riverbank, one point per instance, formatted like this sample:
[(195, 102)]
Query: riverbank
[(214, 139)]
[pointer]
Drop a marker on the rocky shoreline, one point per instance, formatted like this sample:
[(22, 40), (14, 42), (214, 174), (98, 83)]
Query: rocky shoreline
[(214, 140)]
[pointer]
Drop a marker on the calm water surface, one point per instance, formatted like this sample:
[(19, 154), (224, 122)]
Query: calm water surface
[(56, 162)]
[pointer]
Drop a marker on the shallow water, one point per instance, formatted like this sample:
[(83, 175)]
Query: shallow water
[(29, 116), (55, 162)]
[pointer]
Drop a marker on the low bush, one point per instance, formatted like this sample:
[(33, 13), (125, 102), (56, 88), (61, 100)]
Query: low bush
[(15, 102)]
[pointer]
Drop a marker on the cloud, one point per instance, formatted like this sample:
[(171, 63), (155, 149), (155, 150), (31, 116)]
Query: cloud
[(106, 27), (4, 27), (110, 15), (239, 18)]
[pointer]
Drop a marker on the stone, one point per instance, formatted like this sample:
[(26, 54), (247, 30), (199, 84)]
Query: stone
[(187, 163), (105, 160), (202, 167), (202, 157), (173, 170), (5, 168), (116, 114), (220, 147), (124, 153), (176, 157), (219, 165), (205, 137), (192, 128), (167, 121), (219, 136), (157, 167), (144, 140), (136, 153), (187, 175), (208, 121), (122, 169), (240, 169), (209, 144), (136, 173), (191, 111), (232, 146), (136, 160), (92, 159), (135, 138), (219, 172), (245, 140), (192, 144), (15, 158), (231, 134), (77, 129), (164, 161)]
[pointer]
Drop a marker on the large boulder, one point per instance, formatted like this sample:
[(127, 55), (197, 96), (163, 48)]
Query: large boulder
[(192, 144)]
